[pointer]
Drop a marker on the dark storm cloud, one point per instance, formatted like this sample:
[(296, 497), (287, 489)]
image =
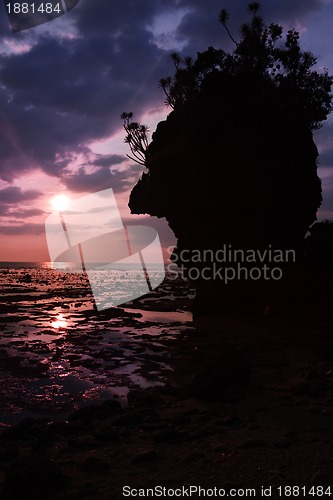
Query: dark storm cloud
[(64, 92), (103, 178), (108, 160)]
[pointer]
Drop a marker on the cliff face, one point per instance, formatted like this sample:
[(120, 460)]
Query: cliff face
[(232, 166)]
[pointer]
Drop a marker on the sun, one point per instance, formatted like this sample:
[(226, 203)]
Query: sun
[(60, 202)]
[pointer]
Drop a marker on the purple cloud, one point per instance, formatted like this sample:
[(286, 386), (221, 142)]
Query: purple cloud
[(14, 194), (102, 178), (64, 88)]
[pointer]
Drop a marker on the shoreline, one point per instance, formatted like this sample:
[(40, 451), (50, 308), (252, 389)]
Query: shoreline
[(58, 353)]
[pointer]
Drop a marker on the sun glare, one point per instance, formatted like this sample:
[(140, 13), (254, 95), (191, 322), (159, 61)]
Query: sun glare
[(59, 322), (60, 202)]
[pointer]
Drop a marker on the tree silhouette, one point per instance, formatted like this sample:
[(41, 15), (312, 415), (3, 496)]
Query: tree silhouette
[(286, 69), (235, 161), (136, 137)]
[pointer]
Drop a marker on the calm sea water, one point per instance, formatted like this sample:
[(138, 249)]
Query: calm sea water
[(57, 352)]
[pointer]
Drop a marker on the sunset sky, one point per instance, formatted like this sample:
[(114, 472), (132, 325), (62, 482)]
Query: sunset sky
[(63, 86)]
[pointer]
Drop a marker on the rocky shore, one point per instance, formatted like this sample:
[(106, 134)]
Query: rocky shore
[(249, 403)]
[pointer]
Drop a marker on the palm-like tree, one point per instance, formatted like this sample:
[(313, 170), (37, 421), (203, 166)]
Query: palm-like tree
[(136, 138)]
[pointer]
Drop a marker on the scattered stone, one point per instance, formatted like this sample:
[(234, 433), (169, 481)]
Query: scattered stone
[(128, 418), (138, 398), (111, 405), (94, 411), (26, 278)]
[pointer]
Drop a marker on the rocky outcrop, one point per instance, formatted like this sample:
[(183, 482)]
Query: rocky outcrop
[(236, 166)]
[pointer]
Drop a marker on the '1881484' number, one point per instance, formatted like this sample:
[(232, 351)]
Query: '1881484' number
[(297, 491), (33, 8)]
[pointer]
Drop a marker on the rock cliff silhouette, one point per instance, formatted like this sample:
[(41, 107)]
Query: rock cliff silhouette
[(235, 161)]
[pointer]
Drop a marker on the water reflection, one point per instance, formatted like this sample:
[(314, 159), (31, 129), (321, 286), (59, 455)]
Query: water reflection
[(59, 322)]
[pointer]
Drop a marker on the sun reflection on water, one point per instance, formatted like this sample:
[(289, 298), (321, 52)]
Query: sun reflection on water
[(59, 322)]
